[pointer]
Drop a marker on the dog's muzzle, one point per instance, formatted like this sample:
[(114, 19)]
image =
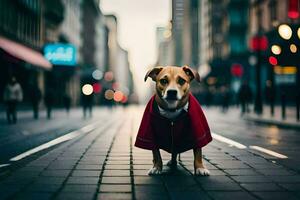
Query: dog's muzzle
[(171, 95)]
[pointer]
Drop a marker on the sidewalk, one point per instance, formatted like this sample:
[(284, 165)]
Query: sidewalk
[(266, 118), (104, 164)]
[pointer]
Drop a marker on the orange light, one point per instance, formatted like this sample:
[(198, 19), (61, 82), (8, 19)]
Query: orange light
[(109, 94), (118, 96)]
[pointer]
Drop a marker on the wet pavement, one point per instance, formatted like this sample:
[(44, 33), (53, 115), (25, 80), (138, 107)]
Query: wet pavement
[(100, 162)]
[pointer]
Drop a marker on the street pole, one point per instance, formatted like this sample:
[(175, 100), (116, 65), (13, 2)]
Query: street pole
[(258, 99)]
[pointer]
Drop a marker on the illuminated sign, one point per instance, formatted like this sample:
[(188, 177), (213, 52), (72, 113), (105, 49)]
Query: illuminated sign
[(60, 54)]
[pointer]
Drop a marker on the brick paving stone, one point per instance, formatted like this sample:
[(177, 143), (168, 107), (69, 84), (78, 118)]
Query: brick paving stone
[(241, 172), (118, 162), (86, 173), (190, 195), (83, 180), (213, 179), (152, 196), (56, 173), (80, 188), (276, 172), (114, 196), (275, 195), (50, 180), (117, 167), (140, 172), (75, 196), (147, 180), (142, 166), (116, 180), (251, 179), (225, 186), (34, 195), (116, 173), (43, 188), (291, 186), (214, 172), (153, 189), (286, 179), (231, 195), (261, 187), (115, 188), (88, 167)]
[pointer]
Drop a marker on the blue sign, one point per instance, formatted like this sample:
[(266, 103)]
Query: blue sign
[(60, 54)]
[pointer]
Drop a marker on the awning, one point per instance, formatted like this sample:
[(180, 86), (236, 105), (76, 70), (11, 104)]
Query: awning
[(24, 53)]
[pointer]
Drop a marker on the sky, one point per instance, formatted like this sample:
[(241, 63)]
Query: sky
[(137, 22)]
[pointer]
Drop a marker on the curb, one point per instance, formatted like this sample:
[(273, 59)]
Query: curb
[(279, 123)]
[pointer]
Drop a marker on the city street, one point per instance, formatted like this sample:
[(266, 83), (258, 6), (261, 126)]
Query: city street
[(69, 157)]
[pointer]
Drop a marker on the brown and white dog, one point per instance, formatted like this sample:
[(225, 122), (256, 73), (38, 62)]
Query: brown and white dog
[(172, 98)]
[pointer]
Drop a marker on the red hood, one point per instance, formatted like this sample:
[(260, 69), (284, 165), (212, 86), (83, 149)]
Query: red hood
[(190, 130)]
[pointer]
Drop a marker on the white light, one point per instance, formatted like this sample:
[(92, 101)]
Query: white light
[(298, 33), (276, 49), (285, 31), (228, 141), (87, 89), (97, 74), (267, 151)]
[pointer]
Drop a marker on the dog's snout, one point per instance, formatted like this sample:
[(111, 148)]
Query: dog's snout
[(172, 94)]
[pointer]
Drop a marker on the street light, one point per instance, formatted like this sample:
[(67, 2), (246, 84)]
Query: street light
[(276, 49), (293, 48), (285, 31)]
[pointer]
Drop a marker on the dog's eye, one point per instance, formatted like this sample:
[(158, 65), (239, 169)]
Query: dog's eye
[(163, 81), (181, 81)]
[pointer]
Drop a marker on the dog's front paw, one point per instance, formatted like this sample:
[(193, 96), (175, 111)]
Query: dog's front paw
[(154, 171), (202, 172)]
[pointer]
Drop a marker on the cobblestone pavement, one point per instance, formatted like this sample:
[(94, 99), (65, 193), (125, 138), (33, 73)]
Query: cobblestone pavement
[(104, 164)]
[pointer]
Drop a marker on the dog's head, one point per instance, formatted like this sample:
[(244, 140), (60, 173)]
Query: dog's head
[(172, 85)]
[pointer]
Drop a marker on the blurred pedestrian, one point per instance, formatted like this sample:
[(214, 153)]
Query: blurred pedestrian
[(67, 102), (35, 97), (270, 95), (12, 95), (225, 98), (49, 101), (245, 97), (87, 104)]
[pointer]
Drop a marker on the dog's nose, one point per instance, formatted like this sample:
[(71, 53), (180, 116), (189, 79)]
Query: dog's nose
[(172, 94)]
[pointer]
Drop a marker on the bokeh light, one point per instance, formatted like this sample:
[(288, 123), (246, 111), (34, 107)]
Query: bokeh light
[(285, 31), (276, 49), (109, 76), (109, 94), (293, 48), (97, 74), (273, 60), (87, 89), (97, 88), (118, 96)]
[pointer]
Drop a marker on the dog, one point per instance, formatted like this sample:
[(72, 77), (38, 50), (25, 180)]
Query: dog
[(173, 119)]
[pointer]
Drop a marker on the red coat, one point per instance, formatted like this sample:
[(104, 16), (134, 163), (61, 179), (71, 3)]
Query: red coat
[(190, 130)]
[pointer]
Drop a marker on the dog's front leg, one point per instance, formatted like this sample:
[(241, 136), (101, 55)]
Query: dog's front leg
[(173, 162), (198, 164), (157, 163)]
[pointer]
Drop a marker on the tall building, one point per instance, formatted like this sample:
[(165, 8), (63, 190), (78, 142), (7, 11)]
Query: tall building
[(185, 32), (164, 45), (118, 62)]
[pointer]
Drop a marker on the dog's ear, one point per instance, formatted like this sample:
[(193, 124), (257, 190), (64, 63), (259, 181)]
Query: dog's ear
[(191, 73), (152, 73)]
